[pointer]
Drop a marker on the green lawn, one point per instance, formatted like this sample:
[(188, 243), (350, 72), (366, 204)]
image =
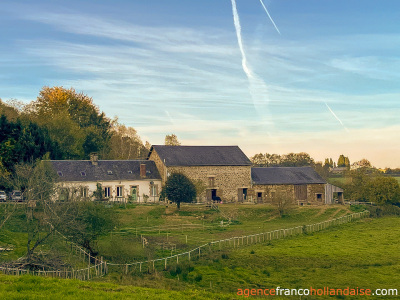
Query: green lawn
[(30, 287)]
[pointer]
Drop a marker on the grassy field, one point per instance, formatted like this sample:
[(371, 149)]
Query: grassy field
[(363, 254), (167, 232), (30, 287)]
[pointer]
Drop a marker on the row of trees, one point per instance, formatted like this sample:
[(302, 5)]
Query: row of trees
[(343, 161), (67, 125), (287, 160), (300, 159)]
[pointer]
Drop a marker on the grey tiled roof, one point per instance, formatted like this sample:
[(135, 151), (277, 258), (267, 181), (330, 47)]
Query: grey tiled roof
[(201, 155), (286, 175), (120, 170)]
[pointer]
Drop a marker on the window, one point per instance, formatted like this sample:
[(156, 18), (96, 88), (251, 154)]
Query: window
[(120, 191), (107, 192), (84, 192), (60, 173), (153, 191), (319, 197), (211, 181), (109, 172), (129, 172), (83, 173)]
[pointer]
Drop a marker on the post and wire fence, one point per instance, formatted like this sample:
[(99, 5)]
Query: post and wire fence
[(97, 267)]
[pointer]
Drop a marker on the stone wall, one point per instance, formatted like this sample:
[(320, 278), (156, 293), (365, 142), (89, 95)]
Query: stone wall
[(227, 180), (270, 191), (160, 165)]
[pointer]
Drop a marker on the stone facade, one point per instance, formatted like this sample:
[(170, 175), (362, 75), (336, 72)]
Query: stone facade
[(312, 193), (226, 182)]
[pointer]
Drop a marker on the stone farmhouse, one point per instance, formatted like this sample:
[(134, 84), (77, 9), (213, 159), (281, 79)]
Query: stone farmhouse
[(224, 171), (221, 173), (121, 180)]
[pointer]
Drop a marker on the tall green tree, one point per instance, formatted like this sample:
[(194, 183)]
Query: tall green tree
[(24, 141), (341, 161), (384, 190), (179, 188), (72, 117)]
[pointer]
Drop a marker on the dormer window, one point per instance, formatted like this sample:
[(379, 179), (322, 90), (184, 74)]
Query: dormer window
[(83, 173), (129, 172), (60, 173), (109, 172)]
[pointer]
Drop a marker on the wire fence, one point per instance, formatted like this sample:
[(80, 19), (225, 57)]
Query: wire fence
[(98, 266), (233, 243)]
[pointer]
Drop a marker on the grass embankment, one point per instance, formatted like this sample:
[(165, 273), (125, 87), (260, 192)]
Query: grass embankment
[(165, 233)]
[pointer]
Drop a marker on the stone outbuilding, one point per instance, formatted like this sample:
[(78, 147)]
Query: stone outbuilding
[(301, 184), (220, 172)]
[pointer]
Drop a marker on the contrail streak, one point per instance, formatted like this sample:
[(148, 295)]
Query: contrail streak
[(266, 10), (340, 121), (238, 28), (257, 86)]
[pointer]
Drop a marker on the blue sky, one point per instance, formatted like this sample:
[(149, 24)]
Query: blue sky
[(327, 84)]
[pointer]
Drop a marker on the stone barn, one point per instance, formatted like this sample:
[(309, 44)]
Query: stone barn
[(301, 184), (221, 172)]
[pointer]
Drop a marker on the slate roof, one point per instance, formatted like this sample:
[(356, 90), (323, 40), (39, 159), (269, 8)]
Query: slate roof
[(201, 155), (286, 175), (120, 170)]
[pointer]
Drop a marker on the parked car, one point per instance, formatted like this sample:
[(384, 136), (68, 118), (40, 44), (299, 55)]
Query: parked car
[(16, 196), (3, 196)]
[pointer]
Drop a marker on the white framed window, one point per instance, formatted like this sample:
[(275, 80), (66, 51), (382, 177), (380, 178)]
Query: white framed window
[(153, 191), (120, 191), (107, 192)]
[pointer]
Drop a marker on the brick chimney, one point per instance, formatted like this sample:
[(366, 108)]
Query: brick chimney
[(94, 158), (142, 170)]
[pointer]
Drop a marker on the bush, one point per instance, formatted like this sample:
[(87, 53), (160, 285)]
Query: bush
[(384, 210), (225, 256)]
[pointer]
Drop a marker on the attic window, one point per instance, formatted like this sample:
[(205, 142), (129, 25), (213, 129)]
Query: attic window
[(109, 172), (148, 172), (83, 173), (129, 172), (60, 173)]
